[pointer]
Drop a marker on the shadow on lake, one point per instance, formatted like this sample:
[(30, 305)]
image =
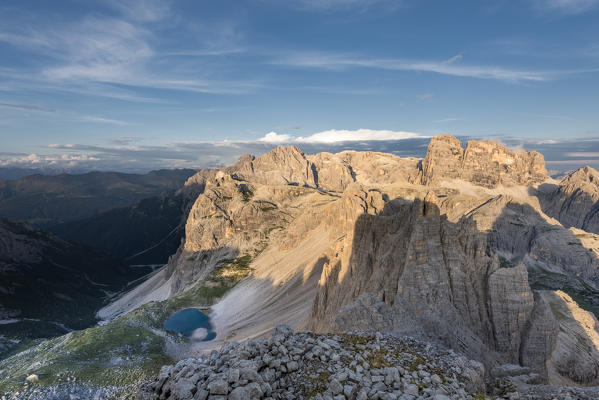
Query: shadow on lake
[(192, 323)]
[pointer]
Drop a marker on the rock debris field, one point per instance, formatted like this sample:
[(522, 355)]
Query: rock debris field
[(308, 366)]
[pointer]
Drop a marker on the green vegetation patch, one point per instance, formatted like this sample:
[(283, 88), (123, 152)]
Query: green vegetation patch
[(232, 271), (115, 354)]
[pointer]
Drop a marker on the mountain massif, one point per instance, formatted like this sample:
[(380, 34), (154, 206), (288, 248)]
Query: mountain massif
[(473, 248)]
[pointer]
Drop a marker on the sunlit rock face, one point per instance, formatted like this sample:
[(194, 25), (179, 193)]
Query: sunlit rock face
[(484, 163)]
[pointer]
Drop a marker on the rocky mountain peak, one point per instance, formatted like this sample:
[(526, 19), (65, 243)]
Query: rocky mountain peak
[(285, 152), (583, 175), (484, 163), (281, 166)]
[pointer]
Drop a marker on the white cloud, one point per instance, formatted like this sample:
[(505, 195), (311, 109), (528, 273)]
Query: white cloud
[(340, 135), (102, 120), (274, 137), (334, 135), (452, 59)]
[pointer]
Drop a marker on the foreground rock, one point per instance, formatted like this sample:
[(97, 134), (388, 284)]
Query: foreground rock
[(309, 366)]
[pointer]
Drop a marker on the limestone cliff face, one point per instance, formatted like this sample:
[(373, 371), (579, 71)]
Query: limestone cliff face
[(235, 217), (281, 166), (409, 264), (332, 172), (484, 163)]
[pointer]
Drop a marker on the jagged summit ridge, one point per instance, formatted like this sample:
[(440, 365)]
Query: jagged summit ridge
[(484, 163)]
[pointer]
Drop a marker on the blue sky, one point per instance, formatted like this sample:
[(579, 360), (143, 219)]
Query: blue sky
[(140, 83)]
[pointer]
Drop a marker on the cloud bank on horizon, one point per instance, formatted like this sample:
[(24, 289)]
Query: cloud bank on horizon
[(131, 154)]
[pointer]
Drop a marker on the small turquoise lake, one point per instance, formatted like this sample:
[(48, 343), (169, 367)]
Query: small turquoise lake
[(187, 321)]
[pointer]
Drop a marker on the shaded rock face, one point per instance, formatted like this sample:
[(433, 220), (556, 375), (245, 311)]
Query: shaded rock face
[(484, 163), (519, 232), (410, 267), (576, 356), (574, 201)]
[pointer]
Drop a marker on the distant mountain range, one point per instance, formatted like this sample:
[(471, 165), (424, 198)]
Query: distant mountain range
[(45, 200), (147, 232)]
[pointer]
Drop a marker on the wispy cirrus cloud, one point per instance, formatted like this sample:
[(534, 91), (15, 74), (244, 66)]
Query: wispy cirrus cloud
[(109, 56), (102, 120), (453, 59), (568, 7), (337, 61), (69, 115), (143, 10), (126, 140), (442, 120), (340, 5), (27, 107)]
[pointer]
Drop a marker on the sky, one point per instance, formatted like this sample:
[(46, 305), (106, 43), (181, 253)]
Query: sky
[(136, 85)]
